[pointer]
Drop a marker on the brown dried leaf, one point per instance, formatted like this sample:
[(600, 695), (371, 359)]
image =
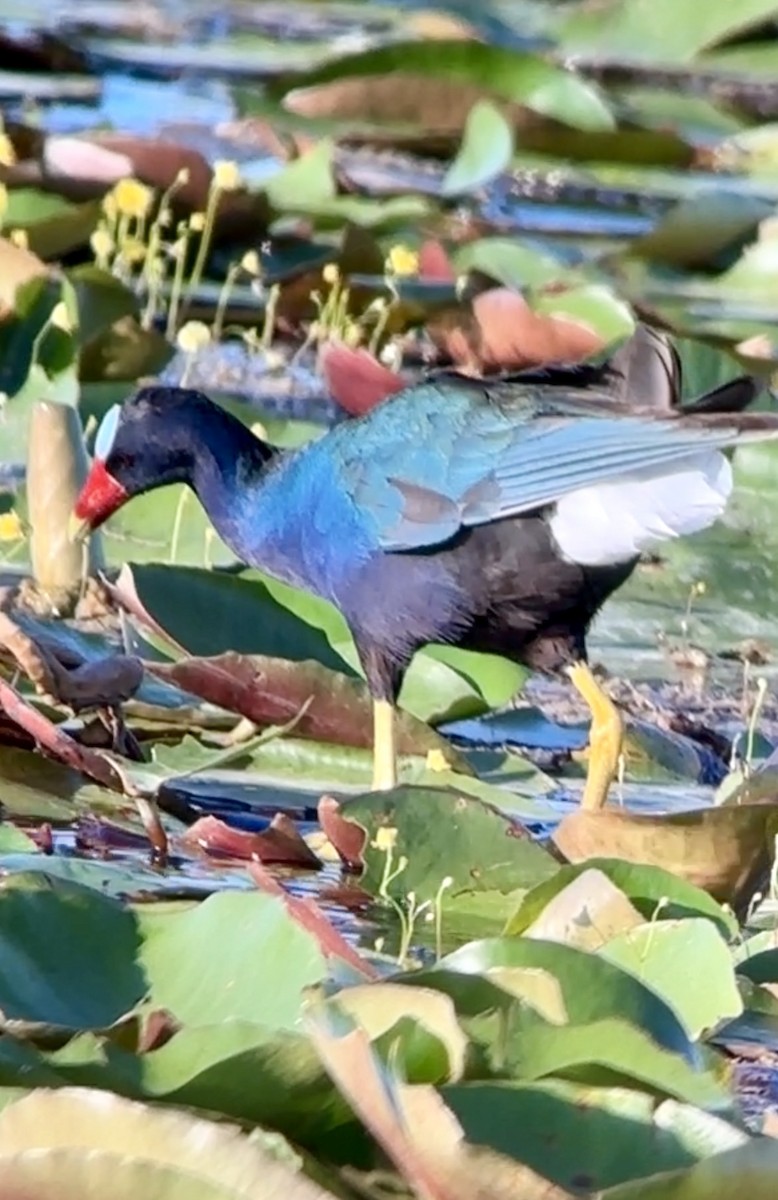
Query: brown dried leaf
[(725, 850), (500, 332), (356, 379), (440, 105), (85, 167)]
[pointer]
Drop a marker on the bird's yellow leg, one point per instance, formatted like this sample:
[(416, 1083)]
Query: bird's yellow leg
[(606, 737), (384, 751)]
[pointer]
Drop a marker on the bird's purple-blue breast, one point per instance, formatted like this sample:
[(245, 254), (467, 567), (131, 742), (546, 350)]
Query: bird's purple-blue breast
[(298, 523)]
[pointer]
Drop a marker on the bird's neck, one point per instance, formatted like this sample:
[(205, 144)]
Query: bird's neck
[(227, 461)]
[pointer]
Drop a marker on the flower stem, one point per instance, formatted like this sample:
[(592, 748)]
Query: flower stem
[(224, 295), (214, 196)]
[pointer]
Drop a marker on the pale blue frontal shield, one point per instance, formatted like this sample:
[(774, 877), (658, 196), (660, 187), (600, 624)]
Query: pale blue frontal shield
[(106, 434)]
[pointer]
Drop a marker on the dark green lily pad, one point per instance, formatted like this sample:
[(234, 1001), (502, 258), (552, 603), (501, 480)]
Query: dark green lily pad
[(571, 1132), (491, 974), (445, 834)]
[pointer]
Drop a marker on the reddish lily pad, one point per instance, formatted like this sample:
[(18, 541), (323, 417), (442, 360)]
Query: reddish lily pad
[(356, 379)]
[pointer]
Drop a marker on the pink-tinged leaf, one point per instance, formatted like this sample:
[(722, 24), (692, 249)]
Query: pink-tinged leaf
[(413, 1125), (55, 742), (375, 1096), (272, 691), (88, 165), (434, 263), (357, 380), (513, 337), (346, 836), (281, 843), (308, 914), (156, 1029)]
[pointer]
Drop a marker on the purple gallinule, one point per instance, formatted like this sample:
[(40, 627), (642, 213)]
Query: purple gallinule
[(493, 515)]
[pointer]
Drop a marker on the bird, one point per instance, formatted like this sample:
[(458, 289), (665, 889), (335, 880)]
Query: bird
[(497, 515)]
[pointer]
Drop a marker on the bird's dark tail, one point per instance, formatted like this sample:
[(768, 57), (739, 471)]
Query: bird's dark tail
[(730, 397)]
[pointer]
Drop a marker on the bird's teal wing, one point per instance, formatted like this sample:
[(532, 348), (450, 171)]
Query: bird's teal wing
[(440, 456)]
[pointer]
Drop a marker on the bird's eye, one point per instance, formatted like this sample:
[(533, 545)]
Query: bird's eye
[(120, 461)]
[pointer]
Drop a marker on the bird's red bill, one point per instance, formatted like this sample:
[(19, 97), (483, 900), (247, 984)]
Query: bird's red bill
[(100, 496)]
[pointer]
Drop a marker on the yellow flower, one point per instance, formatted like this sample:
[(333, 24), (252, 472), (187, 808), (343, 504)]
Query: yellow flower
[(385, 838), (250, 263), (436, 761), (352, 334), (101, 243), (197, 222), (7, 152), (226, 176), (19, 238), (402, 261), (11, 528), (193, 336), (132, 198), (331, 273), (133, 250)]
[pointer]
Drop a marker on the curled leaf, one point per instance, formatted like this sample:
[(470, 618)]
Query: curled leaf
[(280, 843)]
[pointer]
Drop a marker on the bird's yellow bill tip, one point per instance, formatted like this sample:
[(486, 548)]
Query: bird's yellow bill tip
[(78, 528)]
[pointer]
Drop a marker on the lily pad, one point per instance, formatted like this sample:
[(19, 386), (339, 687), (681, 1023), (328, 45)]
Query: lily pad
[(673, 30), (87, 943), (443, 834), (571, 1132), (721, 1177), (494, 972), (687, 963), (468, 68), (656, 892), (78, 1143), (207, 613), (487, 146), (235, 956)]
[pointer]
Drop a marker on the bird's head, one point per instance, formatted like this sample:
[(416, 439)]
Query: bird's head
[(140, 444)]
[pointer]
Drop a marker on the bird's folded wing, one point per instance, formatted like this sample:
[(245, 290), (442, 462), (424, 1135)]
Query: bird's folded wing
[(428, 464)]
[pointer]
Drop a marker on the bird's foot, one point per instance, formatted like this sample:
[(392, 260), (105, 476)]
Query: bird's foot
[(384, 751), (606, 737)]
